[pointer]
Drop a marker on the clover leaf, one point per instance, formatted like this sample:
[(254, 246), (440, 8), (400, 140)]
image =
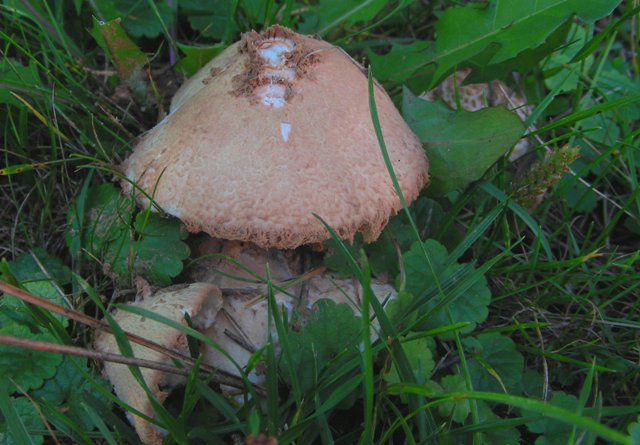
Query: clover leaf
[(39, 273), (456, 410), (497, 436), (26, 368), (418, 352), (67, 389), (399, 310), (160, 249), (552, 431), (383, 254), (453, 293), (331, 331), (30, 419), (148, 244), (496, 365)]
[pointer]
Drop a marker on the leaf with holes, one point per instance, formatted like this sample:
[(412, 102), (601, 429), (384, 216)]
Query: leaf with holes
[(126, 55), (211, 18), (16, 77), (398, 65), (523, 62), (195, 57), (328, 14)]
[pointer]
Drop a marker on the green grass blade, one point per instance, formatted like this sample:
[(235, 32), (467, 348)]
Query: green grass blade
[(273, 411), (13, 421), (547, 410), (367, 356), (498, 194), (582, 400)]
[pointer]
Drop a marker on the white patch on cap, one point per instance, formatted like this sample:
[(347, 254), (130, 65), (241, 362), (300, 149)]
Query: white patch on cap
[(283, 73), (272, 94), (272, 51), (285, 130)]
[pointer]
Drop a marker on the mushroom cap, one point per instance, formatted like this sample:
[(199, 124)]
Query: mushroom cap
[(275, 129), (201, 301)]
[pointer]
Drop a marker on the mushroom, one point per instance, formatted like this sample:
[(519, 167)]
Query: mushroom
[(266, 137), (269, 134), (275, 129), (202, 302)]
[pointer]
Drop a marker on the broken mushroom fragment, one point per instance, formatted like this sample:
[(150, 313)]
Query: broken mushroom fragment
[(241, 327), (276, 129), (201, 302)]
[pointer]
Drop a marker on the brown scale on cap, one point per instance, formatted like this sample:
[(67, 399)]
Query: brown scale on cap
[(257, 69)]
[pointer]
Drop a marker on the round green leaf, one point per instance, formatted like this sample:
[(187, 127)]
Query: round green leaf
[(27, 368)]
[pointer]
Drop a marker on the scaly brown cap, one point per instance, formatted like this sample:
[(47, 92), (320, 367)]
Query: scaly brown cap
[(274, 129)]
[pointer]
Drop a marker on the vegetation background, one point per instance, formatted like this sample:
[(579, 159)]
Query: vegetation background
[(518, 317)]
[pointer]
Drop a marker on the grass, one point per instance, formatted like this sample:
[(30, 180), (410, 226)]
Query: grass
[(553, 355)]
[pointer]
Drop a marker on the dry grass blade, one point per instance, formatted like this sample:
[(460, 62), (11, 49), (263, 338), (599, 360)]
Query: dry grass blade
[(45, 346)]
